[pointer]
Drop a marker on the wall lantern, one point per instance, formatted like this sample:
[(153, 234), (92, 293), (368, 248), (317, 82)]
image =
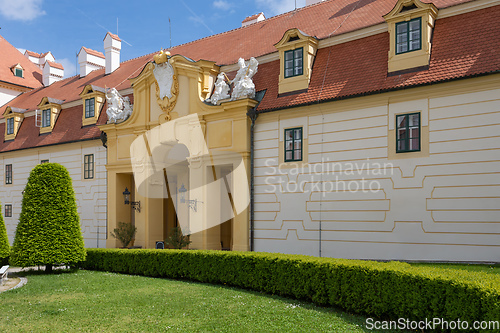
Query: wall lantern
[(191, 203), (135, 204)]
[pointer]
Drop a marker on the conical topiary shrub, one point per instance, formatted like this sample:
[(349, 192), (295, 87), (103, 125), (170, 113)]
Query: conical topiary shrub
[(48, 231), (4, 241)]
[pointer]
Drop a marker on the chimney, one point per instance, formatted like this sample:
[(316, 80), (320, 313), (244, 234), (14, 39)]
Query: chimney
[(33, 57), (90, 60), (253, 19), (39, 59), (52, 72), (47, 56), (112, 47)]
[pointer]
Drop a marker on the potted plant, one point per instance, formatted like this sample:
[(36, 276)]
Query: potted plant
[(176, 239), (125, 232)]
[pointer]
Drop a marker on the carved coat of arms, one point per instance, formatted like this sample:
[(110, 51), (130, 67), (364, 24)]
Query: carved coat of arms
[(167, 86)]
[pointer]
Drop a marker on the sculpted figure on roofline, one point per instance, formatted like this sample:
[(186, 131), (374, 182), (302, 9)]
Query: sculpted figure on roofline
[(243, 86), (119, 108)]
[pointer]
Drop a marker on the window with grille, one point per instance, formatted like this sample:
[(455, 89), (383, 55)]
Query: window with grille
[(294, 62), (8, 174), (10, 126), (408, 132), (409, 36), (46, 118), (8, 210), (90, 107), (88, 166), (293, 144)]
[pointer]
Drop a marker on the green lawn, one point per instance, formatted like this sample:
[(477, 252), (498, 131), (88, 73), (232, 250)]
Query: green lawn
[(104, 302), (494, 269)]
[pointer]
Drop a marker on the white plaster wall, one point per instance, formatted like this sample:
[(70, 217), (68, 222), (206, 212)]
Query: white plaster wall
[(6, 95), (51, 75), (90, 194), (442, 207)]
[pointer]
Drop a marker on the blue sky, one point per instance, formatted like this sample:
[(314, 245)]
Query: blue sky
[(63, 27)]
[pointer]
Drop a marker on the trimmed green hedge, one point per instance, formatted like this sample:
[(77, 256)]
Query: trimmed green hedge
[(385, 290)]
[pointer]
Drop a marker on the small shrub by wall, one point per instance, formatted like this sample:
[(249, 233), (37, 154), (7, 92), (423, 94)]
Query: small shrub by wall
[(385, 290), (48, 231), (4, 242)]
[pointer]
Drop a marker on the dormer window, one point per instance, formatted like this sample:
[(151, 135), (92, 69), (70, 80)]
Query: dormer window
[(13, 119), (297, 51), (408, 36), (93, 98), (46, 118), (410, 25), (18, 72), (10, 126), (294, 62), (90, 107)]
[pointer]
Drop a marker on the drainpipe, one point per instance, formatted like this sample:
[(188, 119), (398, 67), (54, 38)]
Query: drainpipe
[(253, 117)]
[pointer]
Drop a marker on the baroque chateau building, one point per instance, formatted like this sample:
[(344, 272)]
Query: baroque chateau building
[(350, 129)]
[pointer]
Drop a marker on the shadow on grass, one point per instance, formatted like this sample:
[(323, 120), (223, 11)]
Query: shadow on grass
[(355, 319), (36, 271)]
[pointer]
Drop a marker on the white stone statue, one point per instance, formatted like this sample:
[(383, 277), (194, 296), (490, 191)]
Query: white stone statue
[(242, 71), (127, 107), (119, 108), (243, 84), (221, 90)]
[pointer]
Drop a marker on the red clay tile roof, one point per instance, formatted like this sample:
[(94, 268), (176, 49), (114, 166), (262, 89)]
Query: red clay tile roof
[(64, 131), (251, 18), (69, 89), (360, 67), (321, 20), (9, 55), (93, 52), (55, 64), (115, 37), (68, 127), (33, 54)]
